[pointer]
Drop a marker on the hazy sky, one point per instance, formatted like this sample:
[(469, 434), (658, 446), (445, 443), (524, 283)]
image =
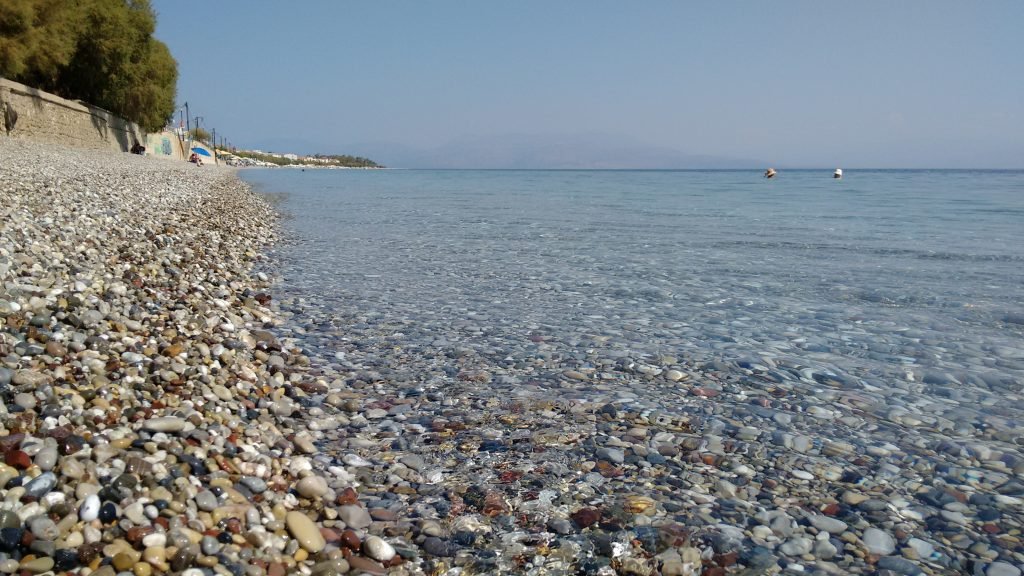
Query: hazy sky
[(927, 83)]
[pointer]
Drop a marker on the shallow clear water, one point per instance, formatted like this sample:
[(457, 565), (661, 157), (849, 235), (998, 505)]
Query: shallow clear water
[(908, 275)]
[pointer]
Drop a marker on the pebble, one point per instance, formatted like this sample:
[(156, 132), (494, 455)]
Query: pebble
[(305, 532), (879, 542), (354, 516), (312, 487), (90, 508), (828, 524), (165, 424), (1002, 569), (378, 549)]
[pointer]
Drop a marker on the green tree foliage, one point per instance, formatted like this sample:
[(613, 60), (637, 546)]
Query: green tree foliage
[(200, 134), (37, 39), (98, 51)]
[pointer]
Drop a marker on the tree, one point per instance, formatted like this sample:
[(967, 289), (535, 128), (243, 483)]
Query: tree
[(37, 39), (200, 134), (98, 51)]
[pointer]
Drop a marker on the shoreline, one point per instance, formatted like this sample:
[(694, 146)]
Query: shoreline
[(162, 413), (152, 422)]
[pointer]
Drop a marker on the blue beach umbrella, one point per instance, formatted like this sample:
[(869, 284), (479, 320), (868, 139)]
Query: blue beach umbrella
[(201, 151)]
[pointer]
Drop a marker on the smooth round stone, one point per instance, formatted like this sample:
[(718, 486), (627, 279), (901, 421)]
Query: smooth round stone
[(899, 565), (878, 541), (854, 498), (674, 375), (312, 487), (165, 424), (305, 532), (283, 407), (46, 459), (354, 516), (331, 567), (206, 501), (1002, 569), (72, 468), (378, 549), (828, 524), (414, 461), (30, 378), (108, 512), (797, 546), (209, 545), (90, 508), (254, 484), (613, 455), (43, 528), (124, 561), (41, 484), (356, 460), (25, 400), (9, 519), (37, 565), (923, 548), (824, 549)]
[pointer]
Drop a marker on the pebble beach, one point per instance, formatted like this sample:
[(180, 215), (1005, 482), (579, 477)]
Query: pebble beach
[(165, 411)]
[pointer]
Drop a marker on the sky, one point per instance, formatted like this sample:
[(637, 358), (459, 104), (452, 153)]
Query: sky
[(609, 84)]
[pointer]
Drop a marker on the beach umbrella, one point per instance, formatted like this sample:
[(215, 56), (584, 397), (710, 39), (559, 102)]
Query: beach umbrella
[(201, 151)]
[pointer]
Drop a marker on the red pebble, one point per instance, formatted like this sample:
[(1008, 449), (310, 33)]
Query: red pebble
[(585, 517), (18, 459), (350, 540), (361, 564), (330, 536), (349, 496)]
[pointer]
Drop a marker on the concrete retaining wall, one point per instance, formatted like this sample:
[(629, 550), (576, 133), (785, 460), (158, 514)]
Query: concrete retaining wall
[(43, 117), (165, 144)]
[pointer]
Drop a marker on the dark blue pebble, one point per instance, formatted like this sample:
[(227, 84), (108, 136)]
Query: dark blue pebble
[(108, 512), (10, 538), (437, 547), (65, 559), (464, 538)]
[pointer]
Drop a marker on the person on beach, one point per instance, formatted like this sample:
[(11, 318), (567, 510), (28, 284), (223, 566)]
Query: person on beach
[(138, 148)]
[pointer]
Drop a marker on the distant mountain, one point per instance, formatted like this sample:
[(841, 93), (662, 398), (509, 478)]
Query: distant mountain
[(587, 151), (544, 152)]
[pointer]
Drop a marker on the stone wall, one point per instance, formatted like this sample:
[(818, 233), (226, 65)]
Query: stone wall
[(43, 117)]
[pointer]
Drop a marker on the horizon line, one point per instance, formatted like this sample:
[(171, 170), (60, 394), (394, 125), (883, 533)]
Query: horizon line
[(709, 169)]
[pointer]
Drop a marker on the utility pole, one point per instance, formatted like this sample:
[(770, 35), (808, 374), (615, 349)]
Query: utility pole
[(196, 135), (188, 128)]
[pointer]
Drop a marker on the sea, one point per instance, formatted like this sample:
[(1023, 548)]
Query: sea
[(904, 288)]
